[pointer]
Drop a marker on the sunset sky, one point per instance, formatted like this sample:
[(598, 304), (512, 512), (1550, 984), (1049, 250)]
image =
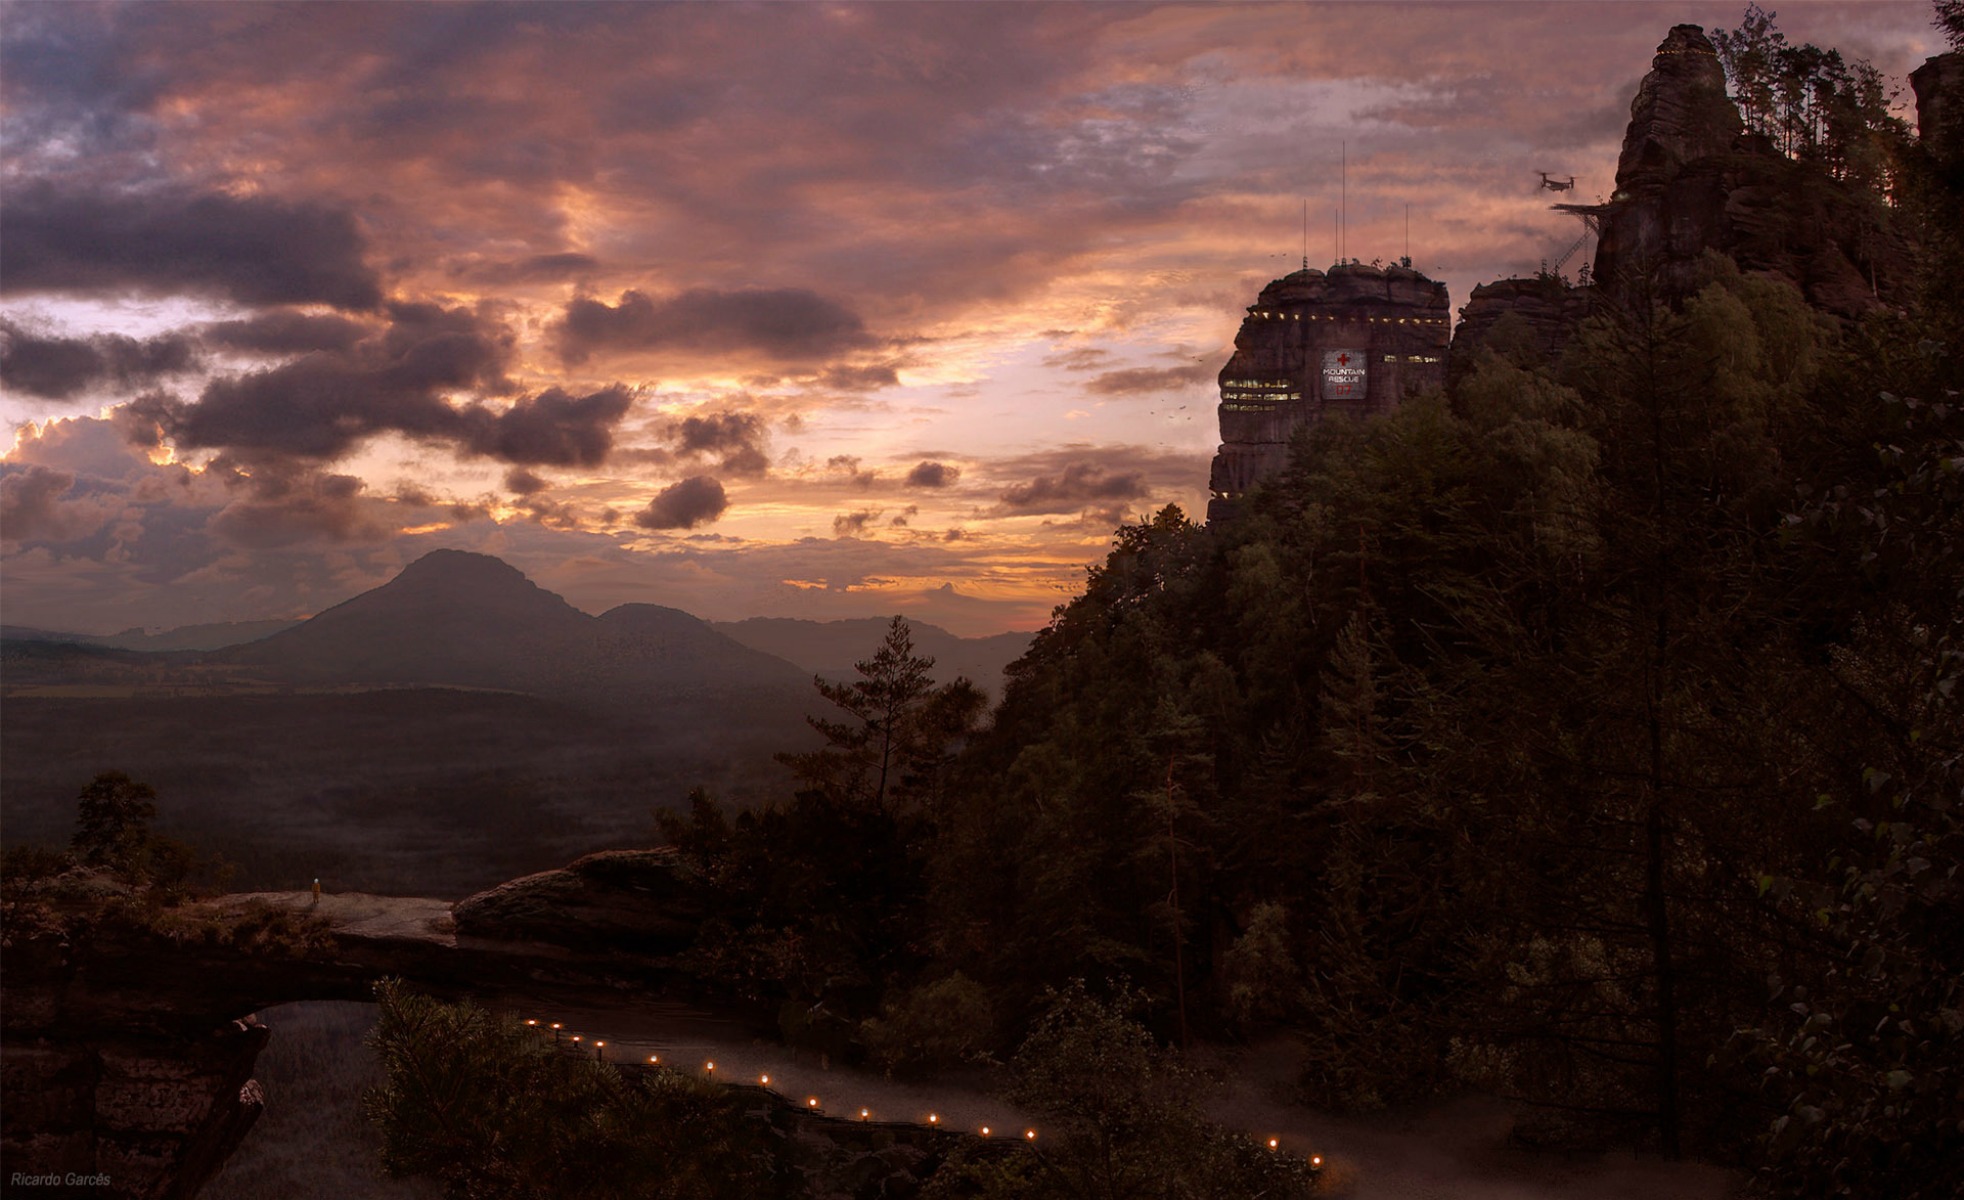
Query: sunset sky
[(788, 309)]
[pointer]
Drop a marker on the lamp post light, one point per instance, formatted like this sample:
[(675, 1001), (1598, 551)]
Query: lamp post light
[(865, 1114), (600, 1052), (654, 1059), (556, 1027)]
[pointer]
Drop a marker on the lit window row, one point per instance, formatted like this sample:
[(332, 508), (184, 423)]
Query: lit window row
[(1266, 315)]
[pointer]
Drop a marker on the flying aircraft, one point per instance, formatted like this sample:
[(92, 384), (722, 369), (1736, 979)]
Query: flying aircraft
[(1556, 185)]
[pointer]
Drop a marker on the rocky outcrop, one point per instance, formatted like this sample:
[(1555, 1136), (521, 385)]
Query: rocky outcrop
[(1689, 181), (1939, 88), (1680, 114), (1524, 320), (126, 1041), (104, 1084), (632, 902)]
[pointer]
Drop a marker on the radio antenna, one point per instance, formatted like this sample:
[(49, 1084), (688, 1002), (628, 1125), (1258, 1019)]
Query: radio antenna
[(1343, 195), (1305, 234)]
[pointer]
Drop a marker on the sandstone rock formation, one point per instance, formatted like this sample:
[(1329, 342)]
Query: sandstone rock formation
[(1939, 88), (634, 902), (1525, 320), (124, 1088), (1688, 181)]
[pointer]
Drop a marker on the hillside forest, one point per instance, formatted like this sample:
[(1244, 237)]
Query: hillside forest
[(1588, 735)]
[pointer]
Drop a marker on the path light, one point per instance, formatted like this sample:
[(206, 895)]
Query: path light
[(599, 1049), (654, 1058), (531, 1020), (812, 1103), (709, 1066), (576, 1037), (985, 1131), (764, 1079), (1316, 1160), (1029, 1135), (864, 1114), (555, 1031), (1272, 1143), (934, 1118)]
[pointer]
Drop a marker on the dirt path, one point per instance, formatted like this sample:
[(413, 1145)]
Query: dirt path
[(1456, 1152)]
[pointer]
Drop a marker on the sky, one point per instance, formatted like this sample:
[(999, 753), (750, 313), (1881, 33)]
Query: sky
[(793, 309)]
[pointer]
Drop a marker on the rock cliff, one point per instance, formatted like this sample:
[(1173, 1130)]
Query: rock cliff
[(1524, 320), (1689, 181), (1939, 88)]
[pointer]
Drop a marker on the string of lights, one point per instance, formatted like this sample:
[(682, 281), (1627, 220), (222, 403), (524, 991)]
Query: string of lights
[(572, 1042)]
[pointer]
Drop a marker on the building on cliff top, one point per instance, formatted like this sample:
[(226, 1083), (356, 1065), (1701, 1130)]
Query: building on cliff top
[(1349, 342)]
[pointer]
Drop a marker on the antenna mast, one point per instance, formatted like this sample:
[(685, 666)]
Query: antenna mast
[(1343, 194), (1305, 235)]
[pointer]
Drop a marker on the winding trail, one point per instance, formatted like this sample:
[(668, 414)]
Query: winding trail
[(1458, 1151)]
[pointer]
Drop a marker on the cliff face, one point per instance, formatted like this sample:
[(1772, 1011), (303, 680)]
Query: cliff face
[(1939, 88), (1528, 319), (1688, 181), (99, 1082), (123, 1051)]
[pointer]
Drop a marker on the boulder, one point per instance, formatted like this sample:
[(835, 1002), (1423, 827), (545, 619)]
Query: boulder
[(638, 902)]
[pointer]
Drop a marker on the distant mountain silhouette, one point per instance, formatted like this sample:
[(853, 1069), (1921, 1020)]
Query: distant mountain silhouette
[(830, 648), (184, 637), (457, 619), (195, 637)]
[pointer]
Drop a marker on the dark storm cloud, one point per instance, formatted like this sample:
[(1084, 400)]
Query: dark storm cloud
[(310, 508), (322, 405), (553, 428), (1077, 485), (1134, 381), (284, 331), (860, 379), (930, 474), (524, 482), (695, 501), (736, 437), (780, 322), (853, 524), (536, 268), (57, 368), (848, 466), (255, 250)]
